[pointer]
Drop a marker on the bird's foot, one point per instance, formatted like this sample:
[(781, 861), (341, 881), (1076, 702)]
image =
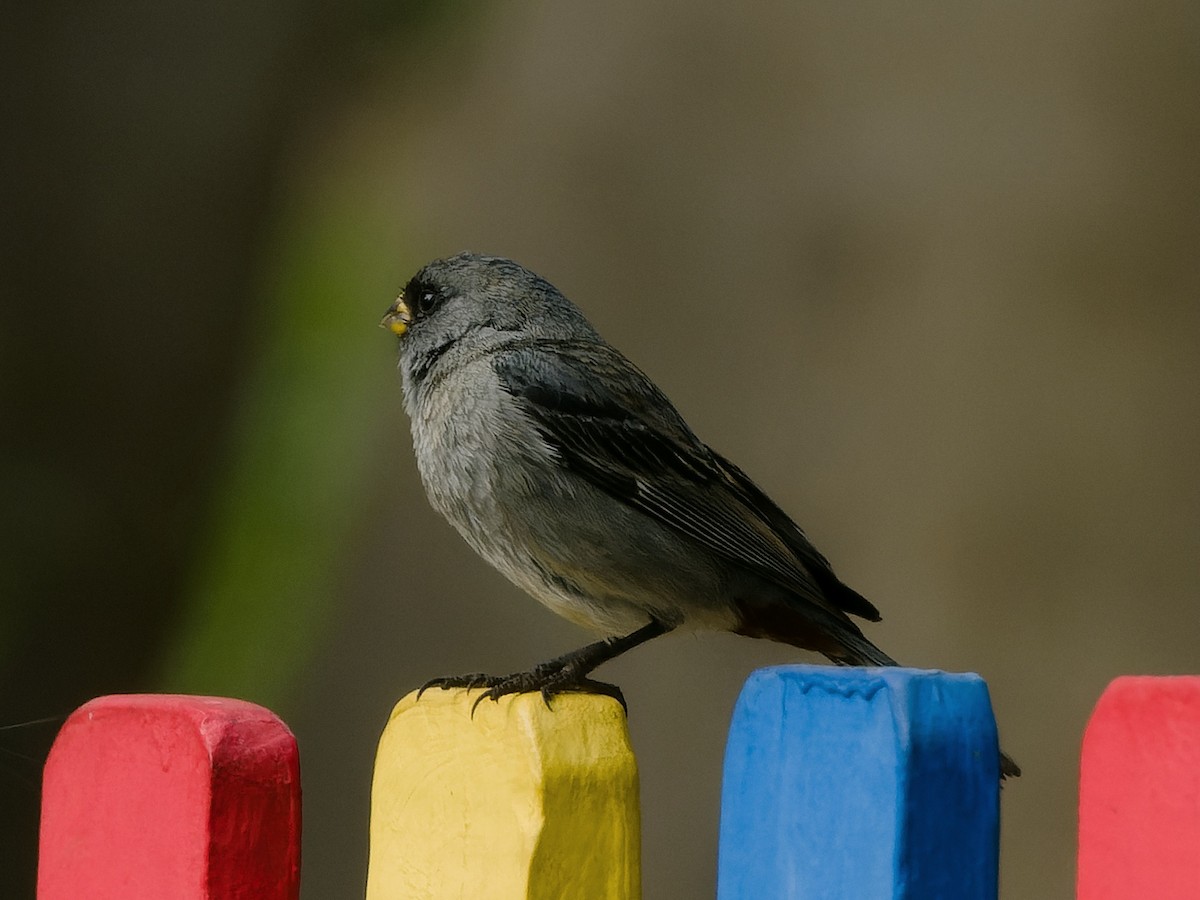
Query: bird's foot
[(547, 679), (470, 682)]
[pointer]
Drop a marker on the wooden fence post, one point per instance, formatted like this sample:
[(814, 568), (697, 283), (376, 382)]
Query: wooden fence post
[(846, 784), (1139, 792), (148, 797), (516, 801)]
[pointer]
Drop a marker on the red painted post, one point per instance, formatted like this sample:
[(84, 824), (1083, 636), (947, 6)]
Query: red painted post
[(147, 797), (1139, 792)]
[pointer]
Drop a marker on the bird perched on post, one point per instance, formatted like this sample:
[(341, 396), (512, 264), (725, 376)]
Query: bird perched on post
[(564, 467)]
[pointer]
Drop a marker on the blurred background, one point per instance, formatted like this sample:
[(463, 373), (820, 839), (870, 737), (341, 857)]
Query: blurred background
[(930, 275)]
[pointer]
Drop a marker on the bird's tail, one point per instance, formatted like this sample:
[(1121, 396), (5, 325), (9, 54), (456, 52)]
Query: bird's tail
[(859, 651)]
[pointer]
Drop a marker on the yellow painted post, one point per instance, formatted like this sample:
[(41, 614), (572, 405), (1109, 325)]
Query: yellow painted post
[(520, 802)]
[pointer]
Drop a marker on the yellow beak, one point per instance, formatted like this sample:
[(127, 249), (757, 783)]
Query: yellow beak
[(398, 317)]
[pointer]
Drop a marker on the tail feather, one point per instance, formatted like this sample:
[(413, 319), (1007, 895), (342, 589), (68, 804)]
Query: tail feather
[(859, 651), (826, 630)]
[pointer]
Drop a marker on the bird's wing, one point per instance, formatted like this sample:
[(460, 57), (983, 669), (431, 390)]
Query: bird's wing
[(790, 533), (606, 422)]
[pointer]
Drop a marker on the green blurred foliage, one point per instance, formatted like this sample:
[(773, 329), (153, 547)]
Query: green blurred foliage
[(188, 360), (303, 453)]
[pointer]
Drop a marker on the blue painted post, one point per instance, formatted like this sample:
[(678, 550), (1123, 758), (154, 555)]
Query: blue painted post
[(860, 784)]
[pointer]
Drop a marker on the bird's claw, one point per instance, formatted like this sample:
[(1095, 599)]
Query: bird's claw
[(548, 682), (469, 682)]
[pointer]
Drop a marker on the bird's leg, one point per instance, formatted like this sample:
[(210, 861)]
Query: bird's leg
[(563, 674)]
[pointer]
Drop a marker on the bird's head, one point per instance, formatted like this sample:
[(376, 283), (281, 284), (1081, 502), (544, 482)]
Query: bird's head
[(481, 300)]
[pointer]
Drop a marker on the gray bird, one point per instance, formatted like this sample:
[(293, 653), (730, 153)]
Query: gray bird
[(564, 467)]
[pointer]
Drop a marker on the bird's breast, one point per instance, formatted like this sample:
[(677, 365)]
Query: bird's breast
[(472, 446)]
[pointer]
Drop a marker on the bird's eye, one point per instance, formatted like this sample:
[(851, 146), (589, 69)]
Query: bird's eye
[(426, 300)]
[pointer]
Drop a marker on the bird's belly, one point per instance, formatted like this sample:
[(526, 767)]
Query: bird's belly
[(579, 551), (604, 565)]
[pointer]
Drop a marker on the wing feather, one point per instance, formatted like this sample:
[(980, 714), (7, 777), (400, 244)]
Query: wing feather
[(607, 423)]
